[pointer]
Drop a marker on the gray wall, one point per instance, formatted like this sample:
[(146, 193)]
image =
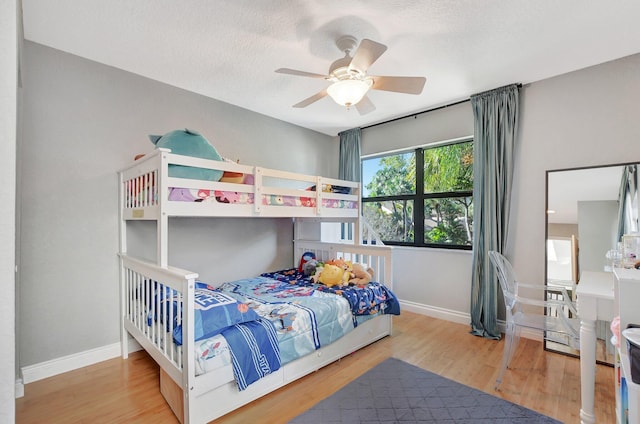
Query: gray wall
[(431, 281), (588, 117), (597, 229), (84, 121), (583, 118), (8, 125), (562, 230)]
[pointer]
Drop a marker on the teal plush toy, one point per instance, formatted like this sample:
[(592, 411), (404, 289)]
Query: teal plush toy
[(189, 143)]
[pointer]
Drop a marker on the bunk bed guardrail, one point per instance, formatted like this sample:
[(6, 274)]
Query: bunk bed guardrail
[(269, 192)]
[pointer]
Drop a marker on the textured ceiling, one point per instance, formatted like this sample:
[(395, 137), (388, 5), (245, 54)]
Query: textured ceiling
[(228, 50)]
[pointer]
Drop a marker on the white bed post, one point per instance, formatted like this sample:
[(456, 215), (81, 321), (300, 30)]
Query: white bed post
[(188, 358), (319, 196), (163, 220), (388, 280), (257, 184), (124, 335)]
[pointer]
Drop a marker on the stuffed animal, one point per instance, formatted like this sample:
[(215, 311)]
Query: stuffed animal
[(361, 276), (189, 143), (309, 267), (306, 256), (335, 272), (345, 265), (232, 177), (331, 275), (315, 278)]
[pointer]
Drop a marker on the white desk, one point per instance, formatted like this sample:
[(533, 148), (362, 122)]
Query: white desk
[(595, 299)]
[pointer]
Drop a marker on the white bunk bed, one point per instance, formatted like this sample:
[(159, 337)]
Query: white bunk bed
[(144, 189)]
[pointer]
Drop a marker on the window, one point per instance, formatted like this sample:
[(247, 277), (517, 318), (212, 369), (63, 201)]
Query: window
[(422, 197)]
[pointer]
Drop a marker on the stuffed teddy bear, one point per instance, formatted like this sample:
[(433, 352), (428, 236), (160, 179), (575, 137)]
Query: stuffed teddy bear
[(361, 276), (346, 267)]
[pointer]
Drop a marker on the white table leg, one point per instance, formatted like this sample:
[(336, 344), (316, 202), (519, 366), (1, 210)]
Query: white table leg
[(587, 370)]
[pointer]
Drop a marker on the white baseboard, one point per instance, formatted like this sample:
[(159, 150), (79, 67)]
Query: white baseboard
[(68, 363), (57, 366), (435, 312), (458, 317)]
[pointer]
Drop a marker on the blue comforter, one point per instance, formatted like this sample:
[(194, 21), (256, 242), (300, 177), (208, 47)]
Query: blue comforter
[(305, 319), (277, 317), (372, 299)]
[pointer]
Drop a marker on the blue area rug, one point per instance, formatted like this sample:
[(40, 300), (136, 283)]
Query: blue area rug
[(397, 392)]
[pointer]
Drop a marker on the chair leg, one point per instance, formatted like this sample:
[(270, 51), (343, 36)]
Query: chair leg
[(514, 343), (512, 337)]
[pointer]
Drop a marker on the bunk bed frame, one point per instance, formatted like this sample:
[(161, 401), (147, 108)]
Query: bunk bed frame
[(202, 398), (150, 175)]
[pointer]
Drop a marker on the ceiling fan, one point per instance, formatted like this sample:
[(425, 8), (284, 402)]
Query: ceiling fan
[(350, 82)]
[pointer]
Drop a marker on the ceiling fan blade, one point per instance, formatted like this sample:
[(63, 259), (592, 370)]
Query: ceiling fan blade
[(299, 73), (306, 102), (368, 52), (408, 85), (365, 105)]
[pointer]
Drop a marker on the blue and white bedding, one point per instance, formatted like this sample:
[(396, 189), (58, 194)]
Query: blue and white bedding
[(258, 324), (305, 319), (372, 299)]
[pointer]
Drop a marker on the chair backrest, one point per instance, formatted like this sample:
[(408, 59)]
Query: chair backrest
[(506, 277), (560, 329)]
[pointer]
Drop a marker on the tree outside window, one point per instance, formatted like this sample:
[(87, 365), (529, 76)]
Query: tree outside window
[(421, 198)]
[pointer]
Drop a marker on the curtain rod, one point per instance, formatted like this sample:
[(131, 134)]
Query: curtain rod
[(416, 114), (519, 85)]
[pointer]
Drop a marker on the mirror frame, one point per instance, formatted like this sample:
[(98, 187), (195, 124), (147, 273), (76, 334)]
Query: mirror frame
[(546, 237)]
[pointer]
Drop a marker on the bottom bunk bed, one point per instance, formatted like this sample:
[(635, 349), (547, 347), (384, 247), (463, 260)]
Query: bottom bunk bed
[(212, 363)]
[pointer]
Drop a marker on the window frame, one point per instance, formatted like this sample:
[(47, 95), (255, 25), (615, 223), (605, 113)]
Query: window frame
[(419, 196)]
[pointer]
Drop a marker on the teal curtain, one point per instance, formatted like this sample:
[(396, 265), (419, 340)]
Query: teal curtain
[(628, 191), (495, 115), (349, 165)]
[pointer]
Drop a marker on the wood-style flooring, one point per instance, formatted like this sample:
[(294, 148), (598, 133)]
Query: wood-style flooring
[(127, 391)]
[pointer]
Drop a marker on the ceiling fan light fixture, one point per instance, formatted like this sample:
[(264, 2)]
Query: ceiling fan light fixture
[(349, 80), (349, 92)]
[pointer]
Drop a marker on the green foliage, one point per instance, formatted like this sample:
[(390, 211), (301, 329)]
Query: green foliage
[(448, 168), (447, 220), (392, 220), (396, 175)]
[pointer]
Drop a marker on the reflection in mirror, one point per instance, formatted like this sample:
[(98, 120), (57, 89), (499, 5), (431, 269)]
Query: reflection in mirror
[(585, 221)]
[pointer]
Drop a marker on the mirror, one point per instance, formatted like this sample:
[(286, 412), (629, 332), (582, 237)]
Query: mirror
[(582, 226)]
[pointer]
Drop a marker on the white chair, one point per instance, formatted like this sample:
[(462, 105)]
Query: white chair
[(561, 329)]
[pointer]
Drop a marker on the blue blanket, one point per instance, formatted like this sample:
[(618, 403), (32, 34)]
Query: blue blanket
[(254, 350), (273, 319), (372, 299), (305, 319)]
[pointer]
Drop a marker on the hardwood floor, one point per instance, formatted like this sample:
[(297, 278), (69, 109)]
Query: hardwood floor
[(119, 391)]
